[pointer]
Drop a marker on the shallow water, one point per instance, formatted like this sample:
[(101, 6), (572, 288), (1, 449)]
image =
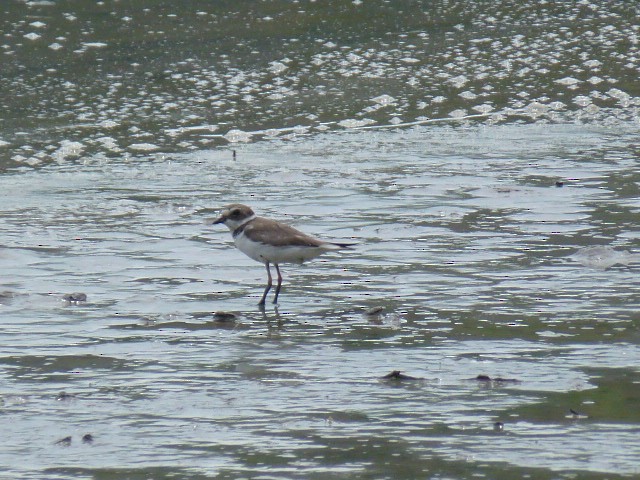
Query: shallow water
[(467, 244), (503, 245)]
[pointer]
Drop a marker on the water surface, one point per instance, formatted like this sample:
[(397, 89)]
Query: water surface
[(482, 155), (468, 245)]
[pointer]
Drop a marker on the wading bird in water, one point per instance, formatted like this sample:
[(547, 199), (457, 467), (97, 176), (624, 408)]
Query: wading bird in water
[(271, 242)]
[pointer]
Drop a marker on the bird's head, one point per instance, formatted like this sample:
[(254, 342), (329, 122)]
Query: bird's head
[(235, 215)]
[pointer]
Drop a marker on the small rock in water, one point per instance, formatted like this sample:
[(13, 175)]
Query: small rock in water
[(87, 438), (75, 297), (224, 316), (374, 311), (397, 375), (498, 427), (62, 396), (65, 442)]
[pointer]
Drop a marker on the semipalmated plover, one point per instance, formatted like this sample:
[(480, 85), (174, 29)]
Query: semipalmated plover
[(268, 241)]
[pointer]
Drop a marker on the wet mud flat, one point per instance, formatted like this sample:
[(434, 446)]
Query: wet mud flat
[(483, 156), (502, 304)]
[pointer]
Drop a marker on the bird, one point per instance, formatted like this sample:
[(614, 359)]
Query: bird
[(271, 242)]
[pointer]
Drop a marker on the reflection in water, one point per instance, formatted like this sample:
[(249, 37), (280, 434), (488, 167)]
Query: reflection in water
[(604, 257), (273, 320)]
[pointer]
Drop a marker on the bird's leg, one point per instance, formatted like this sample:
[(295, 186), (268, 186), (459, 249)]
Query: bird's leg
[(275, 299), (269, 283)]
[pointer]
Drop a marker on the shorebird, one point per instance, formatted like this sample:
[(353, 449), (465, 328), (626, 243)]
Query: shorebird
[(270, 242)]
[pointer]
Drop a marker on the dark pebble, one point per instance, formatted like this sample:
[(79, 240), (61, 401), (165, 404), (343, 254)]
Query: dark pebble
[(88, 438)]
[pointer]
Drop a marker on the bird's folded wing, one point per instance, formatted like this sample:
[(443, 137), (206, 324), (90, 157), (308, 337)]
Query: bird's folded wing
[(278, 234)]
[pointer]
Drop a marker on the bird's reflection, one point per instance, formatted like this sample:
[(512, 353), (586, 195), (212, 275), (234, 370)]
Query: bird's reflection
[(272, 320)]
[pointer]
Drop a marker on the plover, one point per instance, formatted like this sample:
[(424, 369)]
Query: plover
[(271, 242)]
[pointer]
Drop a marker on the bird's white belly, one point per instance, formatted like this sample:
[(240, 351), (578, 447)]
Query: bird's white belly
[(263, 253)]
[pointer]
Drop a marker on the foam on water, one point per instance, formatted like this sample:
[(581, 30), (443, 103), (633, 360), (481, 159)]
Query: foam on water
[(538, 63)]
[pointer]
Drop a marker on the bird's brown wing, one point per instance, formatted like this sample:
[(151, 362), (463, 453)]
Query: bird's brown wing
[(269, 231)]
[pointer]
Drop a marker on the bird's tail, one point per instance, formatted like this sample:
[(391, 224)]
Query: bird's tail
[(344, 245)]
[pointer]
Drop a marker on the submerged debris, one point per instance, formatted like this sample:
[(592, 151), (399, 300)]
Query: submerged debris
[(603, 257), (75, 297), (397, 375), (224, 316), (576, 415), (487, 378), (374, 311), (62, 396), (65, 442)]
